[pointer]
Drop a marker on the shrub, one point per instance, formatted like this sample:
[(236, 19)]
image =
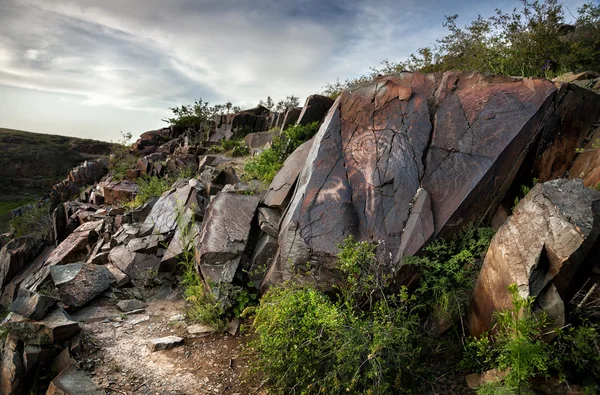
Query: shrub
[(526, 42), (516, 347), (265, 166), (148, 188), (235, 148), (577, 352), (36, 223), (361, 342), (448, 270), (121, 159)]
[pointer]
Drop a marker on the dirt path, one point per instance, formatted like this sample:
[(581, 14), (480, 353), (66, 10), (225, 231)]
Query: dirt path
[(117, 356)]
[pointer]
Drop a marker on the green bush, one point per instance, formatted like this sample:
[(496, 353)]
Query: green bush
[(364, 341), (148, 188), (526, 42), (449, 270), (577, 352), (36, 223), (265, 166), (121, 159), (516, 347), (235, 148)]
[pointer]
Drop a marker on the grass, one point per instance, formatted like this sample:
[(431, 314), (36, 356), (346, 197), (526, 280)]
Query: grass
[(6, 210)]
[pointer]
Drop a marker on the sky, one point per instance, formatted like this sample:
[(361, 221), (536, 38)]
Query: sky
[(95, 69)]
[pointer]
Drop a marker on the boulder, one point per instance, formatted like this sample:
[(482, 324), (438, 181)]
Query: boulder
[(224, 234), (55, 327), (73, 249), (147, 245), (542, 248), (73, 382), (462, 137), (259, 140), (89, 172), (280, 191), (181, 242), (31, 305), (120, 278), (78, 283), (314, 110)]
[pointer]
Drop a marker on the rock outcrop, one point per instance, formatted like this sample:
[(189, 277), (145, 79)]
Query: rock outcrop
[(224, 234), (460, 137), (543, 247), (314, 110)]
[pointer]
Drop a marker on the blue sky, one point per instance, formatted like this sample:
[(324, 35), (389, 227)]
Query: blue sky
[(94, 68)]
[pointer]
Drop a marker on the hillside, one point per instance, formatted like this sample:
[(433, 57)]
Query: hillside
[(32, 162)]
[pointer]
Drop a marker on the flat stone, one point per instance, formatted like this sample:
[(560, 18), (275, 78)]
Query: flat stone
[(56, 327), (280, 191), (31, 305), (94, 314), (225, 230), (135, 265), (78, 283), (165, 343), (120, 278), (268, 220), (73, 382), (131, 305)]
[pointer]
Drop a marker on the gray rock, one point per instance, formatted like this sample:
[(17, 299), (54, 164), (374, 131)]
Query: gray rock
[(259, 140), (73, 382), (165, 343), (281, 188), (290, 117), (131, 305), (56, 327), (263, 256), (135, 265), (182, 240), (148, 244), (78, 283), (268, 220), (31, 305), (163, 217), (222, 240)]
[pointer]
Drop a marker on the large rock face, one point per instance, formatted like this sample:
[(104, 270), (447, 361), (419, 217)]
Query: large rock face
[(541, 248), (14, 256), (460, 137)]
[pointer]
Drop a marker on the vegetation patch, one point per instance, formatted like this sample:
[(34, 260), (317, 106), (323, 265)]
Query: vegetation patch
[(148, 188), (362, 341), (36, 223), (265, 166), (529, 42)]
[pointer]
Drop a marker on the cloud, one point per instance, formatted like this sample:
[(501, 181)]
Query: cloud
[(147, 55)]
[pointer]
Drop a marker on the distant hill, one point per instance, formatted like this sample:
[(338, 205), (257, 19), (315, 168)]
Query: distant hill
[(30, 163)]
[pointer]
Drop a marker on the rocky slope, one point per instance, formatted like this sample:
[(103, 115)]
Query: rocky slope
[(399, 161), (32, 162)]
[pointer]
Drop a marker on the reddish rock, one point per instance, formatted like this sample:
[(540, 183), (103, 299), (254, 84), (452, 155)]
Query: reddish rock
[(56, 327), (15, 256), (89, 172), (118, 191), (314, 110), (149, 141), (542, 248), (12, 368), (290, 117), (460, 136), (73, 382), (587, 164)]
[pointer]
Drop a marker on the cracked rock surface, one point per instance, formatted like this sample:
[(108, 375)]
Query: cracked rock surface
[(460, 137)]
